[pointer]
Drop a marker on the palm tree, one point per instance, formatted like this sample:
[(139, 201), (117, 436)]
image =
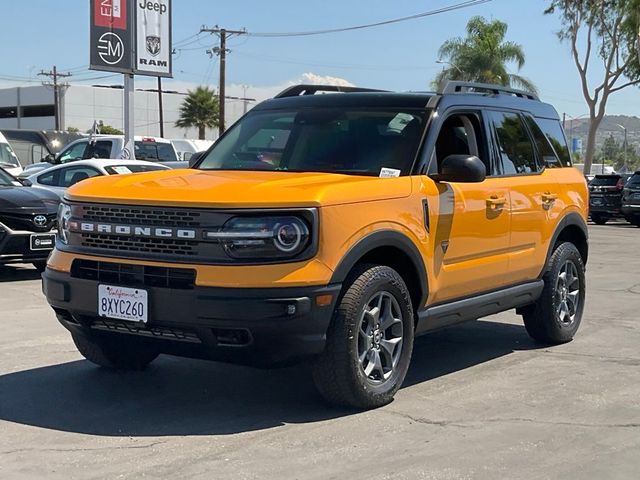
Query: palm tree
[(483, 56), (200, 109)]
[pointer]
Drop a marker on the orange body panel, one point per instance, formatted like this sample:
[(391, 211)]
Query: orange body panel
[(479, 237)]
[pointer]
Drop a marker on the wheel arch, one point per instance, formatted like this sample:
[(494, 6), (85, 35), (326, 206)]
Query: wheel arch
[(572, 228), (392, 249)]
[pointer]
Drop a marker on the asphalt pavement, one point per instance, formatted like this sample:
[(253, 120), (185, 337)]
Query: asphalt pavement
[(481, 401)]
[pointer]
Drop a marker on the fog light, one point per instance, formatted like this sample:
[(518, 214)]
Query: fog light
[(291, 309)]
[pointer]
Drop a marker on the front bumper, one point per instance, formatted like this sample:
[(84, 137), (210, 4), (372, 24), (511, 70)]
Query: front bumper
[(16, 246), (259, 327), (631, 209)]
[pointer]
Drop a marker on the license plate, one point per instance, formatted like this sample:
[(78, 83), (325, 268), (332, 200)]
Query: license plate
[(121, 303), (42, 242)]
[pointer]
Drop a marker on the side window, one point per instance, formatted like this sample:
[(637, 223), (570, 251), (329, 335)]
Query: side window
[(462, 134), (101, 149), (552, 130), (72, 175), (74, 152), (515, 149), (48, 178)]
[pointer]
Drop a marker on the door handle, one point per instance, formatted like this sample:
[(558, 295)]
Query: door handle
[(548, 197), (495, 201)]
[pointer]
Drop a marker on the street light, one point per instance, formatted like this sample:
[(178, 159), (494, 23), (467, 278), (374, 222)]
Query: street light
[(572, 119), (625, 145)]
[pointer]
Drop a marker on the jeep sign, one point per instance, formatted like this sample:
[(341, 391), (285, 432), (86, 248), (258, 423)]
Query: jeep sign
[(153, 38), (111, 36)]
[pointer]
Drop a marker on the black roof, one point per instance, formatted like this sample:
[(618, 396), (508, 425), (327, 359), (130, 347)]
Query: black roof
[(354, 97)]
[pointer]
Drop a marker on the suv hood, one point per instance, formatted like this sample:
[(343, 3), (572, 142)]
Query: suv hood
[(27, 199), (238, 189)]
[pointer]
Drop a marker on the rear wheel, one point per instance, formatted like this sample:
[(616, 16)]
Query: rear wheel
[(114, 353), (369, 341), (556, 315), (598, 219)]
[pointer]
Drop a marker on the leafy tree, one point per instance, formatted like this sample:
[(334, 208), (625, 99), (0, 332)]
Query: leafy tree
[(200, 109), (73, 130), (605, 35), (105, 129), (483, 56)]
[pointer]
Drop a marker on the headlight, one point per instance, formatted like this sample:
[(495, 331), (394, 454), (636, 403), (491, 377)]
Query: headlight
[(64, 214), (263, 237)]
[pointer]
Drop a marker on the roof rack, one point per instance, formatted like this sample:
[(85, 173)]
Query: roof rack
[(297, 90), (454, 86)]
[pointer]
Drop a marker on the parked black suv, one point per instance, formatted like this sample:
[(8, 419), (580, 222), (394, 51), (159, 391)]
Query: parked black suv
[(605, 197), (631, 199), (27, 222)]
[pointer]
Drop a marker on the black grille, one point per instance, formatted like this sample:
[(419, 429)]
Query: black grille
[(141, 216), (167, 333), (25, 222), (134, 275), (144, 245)]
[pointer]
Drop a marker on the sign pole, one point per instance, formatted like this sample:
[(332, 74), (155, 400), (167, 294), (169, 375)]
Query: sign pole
[(129, 92)]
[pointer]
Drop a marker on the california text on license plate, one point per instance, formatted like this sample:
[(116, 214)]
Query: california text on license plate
[(122, 303)]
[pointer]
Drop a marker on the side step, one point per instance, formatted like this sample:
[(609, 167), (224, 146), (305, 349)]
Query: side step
[(472, 308)]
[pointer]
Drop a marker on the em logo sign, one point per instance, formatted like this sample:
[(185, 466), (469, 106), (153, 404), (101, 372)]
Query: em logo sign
[(110, 48)]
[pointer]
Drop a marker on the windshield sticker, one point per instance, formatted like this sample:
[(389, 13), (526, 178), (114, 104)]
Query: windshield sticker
[(121, 170), (389, 173)]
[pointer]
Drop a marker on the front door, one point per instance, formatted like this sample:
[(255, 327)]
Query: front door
[(470, 222)]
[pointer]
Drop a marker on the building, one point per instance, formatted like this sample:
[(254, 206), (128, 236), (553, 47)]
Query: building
[(33, 108)]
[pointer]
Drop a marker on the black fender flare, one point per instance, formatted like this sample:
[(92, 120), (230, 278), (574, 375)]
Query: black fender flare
[(571, 219), (384, 238)]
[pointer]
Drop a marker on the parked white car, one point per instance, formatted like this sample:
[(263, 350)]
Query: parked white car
[(185, 148), (8, 159), (59, 178), (153, 149)]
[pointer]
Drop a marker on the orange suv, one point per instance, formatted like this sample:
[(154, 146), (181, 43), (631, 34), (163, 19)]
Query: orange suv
[(333, 228)]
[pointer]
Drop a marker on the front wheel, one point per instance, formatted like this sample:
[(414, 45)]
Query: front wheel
[(556, 315), (369, 341), (114, 353)]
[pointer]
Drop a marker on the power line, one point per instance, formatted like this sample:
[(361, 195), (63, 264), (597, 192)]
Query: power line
[(458, 6)]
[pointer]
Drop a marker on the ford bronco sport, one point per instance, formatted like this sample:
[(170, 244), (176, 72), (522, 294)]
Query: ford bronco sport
[(333, 228)]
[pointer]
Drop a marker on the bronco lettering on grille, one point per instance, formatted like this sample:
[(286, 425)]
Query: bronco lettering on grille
[(133, 230)]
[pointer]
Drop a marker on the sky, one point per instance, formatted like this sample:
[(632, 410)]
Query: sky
[(36, 34)]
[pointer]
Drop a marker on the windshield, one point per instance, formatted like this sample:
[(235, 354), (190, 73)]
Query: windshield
[(634, 181), (605, 180), (7, 157), (361, 142), (160, 152), (6, 180), (123, 169)]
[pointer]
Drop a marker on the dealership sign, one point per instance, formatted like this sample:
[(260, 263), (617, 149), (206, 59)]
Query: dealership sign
[(131, 36)]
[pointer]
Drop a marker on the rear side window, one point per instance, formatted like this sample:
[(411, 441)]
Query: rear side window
[(515, 149), (552, 130), (155, 151), (99, 149), (123, 169)]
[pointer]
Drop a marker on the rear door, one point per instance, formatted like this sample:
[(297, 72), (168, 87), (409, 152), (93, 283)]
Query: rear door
[(534, 191)]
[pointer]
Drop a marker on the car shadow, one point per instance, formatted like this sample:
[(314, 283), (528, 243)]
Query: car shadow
[(189, 397), (17, 273)]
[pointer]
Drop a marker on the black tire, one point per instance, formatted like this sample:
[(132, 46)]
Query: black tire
[(339, 372), (114, 353), (599, 219), (40, 266), (546, 320)]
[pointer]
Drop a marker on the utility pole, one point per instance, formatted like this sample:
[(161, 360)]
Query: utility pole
[(160, 107), (55, 76), (222, 51)]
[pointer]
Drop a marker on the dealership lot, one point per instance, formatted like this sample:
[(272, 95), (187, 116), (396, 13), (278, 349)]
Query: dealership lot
[(481, 401)]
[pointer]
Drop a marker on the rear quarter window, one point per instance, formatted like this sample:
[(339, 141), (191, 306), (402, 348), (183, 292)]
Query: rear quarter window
[(555, 139)]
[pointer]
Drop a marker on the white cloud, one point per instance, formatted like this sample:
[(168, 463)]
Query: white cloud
[(315, 79)]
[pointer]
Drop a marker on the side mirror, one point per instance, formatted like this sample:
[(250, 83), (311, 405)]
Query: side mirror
[(462, 169), (50, 158), (26, 182)]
